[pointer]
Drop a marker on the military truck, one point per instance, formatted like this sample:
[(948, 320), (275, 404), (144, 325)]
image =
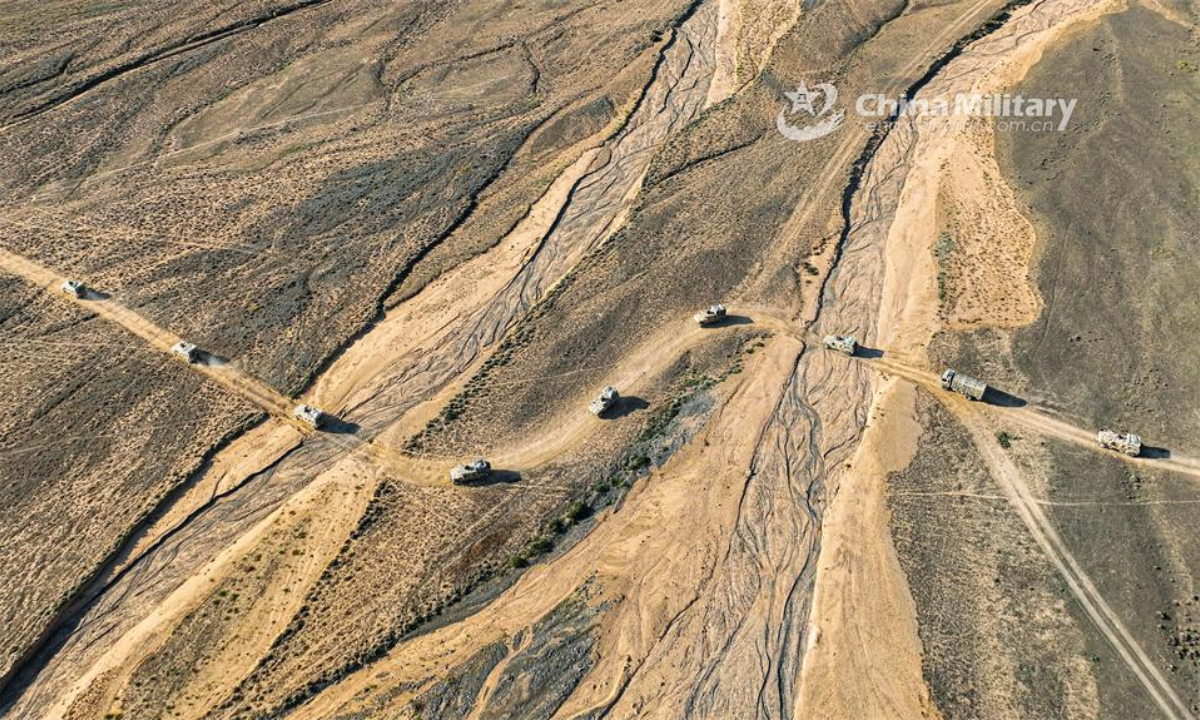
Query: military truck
[(187, 351), (74, 288), (605, 400), (964, 385), (711, 316), (470, 472), (1127, 443), (309, 415), (842, 343)]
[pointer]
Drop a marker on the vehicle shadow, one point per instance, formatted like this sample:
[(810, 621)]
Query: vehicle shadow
[(94, 295), (735, 320), (869, 353), (729, 321), (625, 405), (999, 398), (1155, 453), (337, 426), (207, 359), (497, 477)]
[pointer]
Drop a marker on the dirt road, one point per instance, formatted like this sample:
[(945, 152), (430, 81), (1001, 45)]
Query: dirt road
[(156, 337), (1038, 419), (1011, 481)]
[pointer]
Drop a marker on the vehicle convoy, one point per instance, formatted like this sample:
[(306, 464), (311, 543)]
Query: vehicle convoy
[(186, 350), (309, 415), (470, 472), (965, 385), (713, 315), (605, 400), (74, 288), (842, 343), (1127, 443)]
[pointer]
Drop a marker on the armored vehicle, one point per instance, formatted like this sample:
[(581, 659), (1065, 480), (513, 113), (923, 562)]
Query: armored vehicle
[(965, 385), (309, 415), (74, 288), (605, 400), (186, 350), (477, 470), (713, 315), (842, 343), (1127, 443)]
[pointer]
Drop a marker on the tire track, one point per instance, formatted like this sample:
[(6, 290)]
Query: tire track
[(1010, 480)]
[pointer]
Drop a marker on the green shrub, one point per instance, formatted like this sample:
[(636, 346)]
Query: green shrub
[(578, 511)]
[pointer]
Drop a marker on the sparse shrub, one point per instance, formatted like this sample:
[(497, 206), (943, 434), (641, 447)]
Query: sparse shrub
[(578, 511), (943, 249)]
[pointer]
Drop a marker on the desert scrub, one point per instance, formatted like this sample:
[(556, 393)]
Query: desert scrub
[(1005, 439), (943, 249)]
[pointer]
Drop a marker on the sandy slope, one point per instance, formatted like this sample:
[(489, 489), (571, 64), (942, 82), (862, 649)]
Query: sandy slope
[(333, 497), (864, 659)]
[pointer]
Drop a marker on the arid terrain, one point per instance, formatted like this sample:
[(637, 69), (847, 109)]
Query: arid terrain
[(448, 226)]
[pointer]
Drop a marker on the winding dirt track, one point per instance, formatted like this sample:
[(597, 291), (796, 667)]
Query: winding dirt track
[(576, 216), (248, 387), (722, 611), (735, 636)]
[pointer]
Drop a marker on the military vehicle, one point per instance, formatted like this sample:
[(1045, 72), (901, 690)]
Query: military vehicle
[(713, 315), (965, 385), (470, 472), (842, 343), (309, 415), (74, 288), (1127, 443), (186, 350), (605, 400)]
